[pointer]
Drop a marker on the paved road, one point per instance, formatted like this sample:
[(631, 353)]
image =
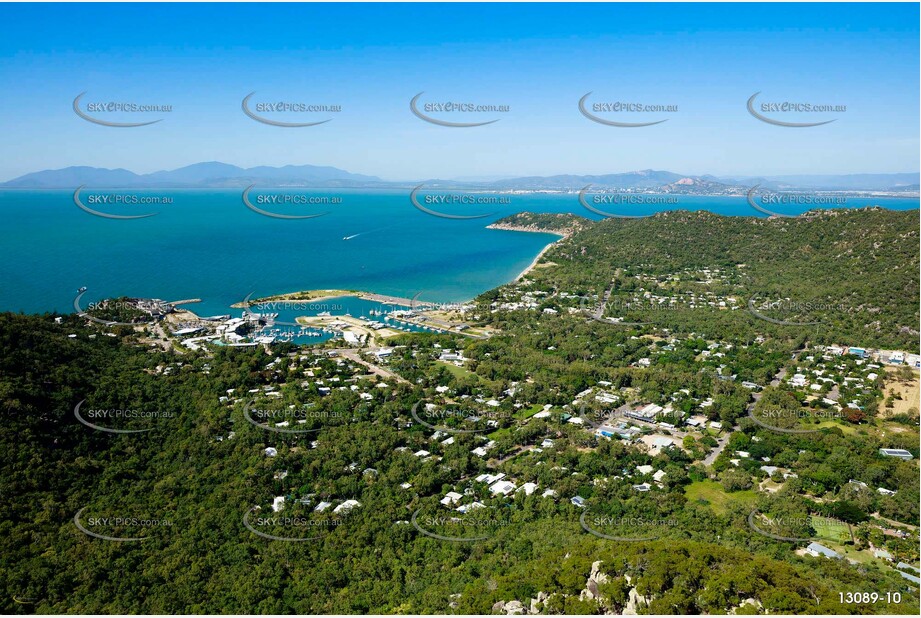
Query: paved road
[(721, 444), (353, 355), (599, 312), (780, 376), (492, 464)]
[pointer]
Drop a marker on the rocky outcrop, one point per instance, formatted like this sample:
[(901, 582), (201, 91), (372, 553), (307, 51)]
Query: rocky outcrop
[(510, 608), (591, 585), (635, 601)]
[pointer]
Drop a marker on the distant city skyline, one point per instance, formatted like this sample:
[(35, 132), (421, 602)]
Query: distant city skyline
[(703, 60)]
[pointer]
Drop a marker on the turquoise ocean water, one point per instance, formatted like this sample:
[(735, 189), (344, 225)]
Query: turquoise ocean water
[(207, 244)]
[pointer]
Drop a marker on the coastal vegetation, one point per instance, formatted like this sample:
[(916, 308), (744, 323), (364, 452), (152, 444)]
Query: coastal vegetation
[(832, 275), (526, 403)]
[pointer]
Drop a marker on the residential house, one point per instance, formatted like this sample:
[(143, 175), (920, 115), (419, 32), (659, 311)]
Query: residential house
[(815, 549), (452, 497), (346, 506), (503, 488), (895, 452), (528, 488)]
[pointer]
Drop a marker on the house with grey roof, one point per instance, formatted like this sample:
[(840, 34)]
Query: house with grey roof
[(815, 549)]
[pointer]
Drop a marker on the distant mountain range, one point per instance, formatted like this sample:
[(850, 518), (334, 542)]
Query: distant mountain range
[(211, 174), (215, 174)]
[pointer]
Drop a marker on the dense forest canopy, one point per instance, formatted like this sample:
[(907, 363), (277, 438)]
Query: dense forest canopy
[(196, 470)]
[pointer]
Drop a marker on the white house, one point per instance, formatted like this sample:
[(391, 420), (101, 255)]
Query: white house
[(346, 506), (814, 549), (469, 507), (528, 488), (502, 488), (895, 452), (489, 479), (452, 497), (882, 554)]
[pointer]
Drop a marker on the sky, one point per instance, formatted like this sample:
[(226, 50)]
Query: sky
[(537, 59)]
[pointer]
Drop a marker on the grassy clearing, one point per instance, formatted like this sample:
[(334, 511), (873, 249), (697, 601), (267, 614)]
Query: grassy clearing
[(830, 530), (909, 392), (844, 427), (525, 413), (458, 372), (712, 494)]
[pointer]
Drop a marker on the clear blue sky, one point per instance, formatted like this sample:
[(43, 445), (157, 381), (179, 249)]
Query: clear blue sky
[(538, 59)]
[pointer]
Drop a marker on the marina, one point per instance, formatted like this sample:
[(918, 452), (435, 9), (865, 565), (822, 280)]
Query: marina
[(361, 321)]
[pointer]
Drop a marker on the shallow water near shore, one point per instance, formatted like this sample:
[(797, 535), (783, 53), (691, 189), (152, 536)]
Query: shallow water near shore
[(207, 244)]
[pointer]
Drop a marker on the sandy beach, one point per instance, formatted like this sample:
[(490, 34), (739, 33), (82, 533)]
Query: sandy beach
[(533, 264)]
